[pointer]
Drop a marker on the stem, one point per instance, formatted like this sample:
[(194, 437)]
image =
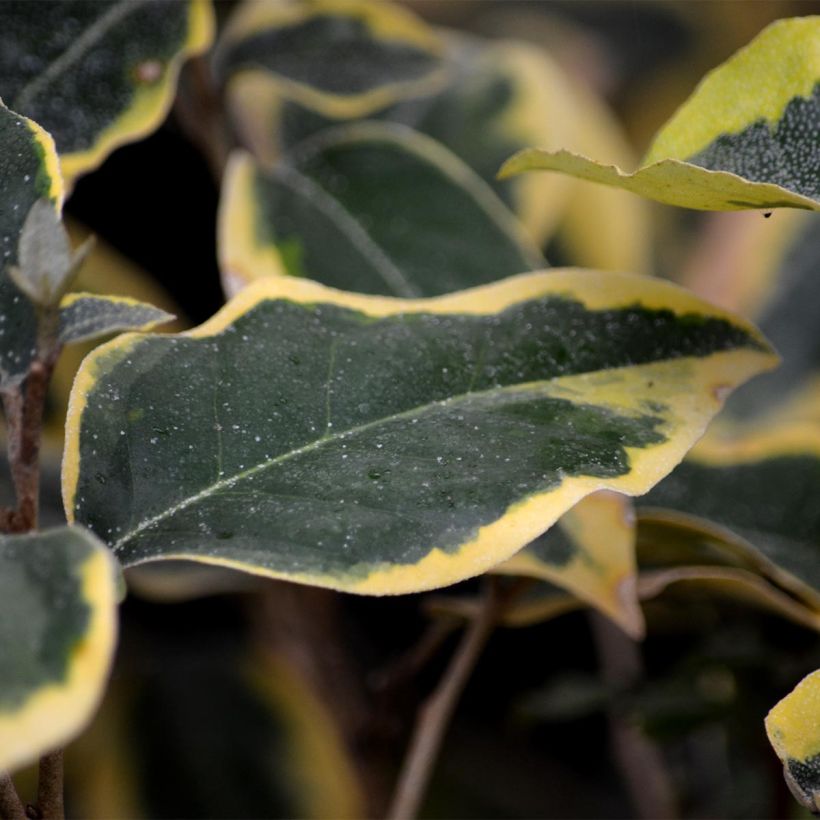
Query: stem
[(435, 714), (11, 807), (636, 756), (50, 786), (23, 408)]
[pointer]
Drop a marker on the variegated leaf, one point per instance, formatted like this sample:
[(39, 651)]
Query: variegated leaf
[(372, 208), (29, 171), (382, 445), (591, 553), (746, 138), (57, 630), (97, 73)]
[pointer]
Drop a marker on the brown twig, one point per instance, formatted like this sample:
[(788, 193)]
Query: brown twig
[(435, 714), (638, 759), (11, 807), (50, 786)]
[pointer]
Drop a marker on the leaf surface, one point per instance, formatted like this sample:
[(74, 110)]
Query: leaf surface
[(381, 445), (88, 316), (29, 171), (746, 138), (57, 632), (591, 553), (350, 208), (97, 74)]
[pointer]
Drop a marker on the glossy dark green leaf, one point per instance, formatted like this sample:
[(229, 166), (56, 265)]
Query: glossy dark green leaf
[(57, 629), (28, 172), (384, 445), (88, 316), (97, 73), (373, 208), (746, 138)]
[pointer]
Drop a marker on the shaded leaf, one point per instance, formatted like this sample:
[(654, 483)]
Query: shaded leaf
[(382, 446), (28, 172), (756, 493), (342, 58), (57, 630), (746, 138), (738, 584), (349, 207), (590, 553), (792, 727), (88, 316), (97, 74)]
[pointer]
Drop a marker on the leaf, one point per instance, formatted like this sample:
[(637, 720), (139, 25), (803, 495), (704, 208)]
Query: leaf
[(383, 446), (89, 316), (57, 632), (591, 553), (97, 74), (28, 172), (499, 97), (342, 58), (744, 139), (348, 208), (756, 493), (45, 259), (792, 728)]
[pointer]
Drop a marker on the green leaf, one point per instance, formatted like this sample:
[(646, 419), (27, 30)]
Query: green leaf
[(57, 632), (45, 258), (28, 172), (756, 493), (499, 97), (590, 553), (792, 728), (100, 74), (304, 52), (382, 445), (348, 209), (88, 316), (746, 138)]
